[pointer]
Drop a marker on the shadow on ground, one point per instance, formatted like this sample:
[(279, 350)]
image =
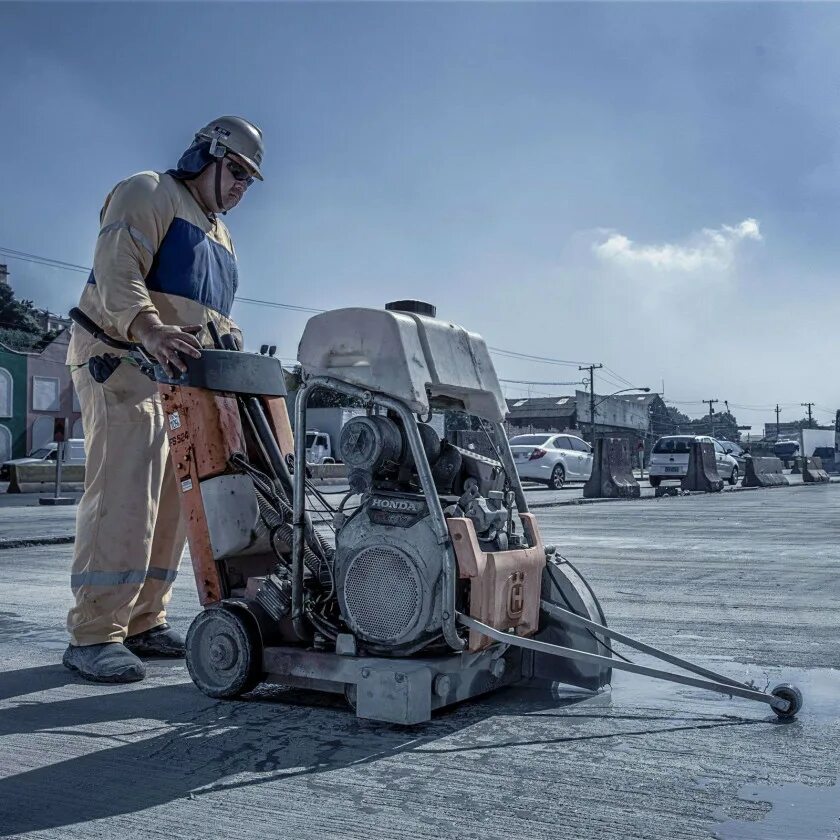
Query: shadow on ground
[(163, 743)]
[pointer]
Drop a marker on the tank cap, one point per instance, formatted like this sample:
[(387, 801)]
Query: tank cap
[(415, 307)]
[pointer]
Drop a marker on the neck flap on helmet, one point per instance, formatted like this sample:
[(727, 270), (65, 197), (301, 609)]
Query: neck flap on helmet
[(195, 160)]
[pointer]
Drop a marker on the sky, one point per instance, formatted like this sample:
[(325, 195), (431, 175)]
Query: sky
[(651, 186)]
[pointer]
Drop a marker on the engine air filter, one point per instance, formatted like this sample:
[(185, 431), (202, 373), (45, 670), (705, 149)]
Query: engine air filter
[(382, 594)]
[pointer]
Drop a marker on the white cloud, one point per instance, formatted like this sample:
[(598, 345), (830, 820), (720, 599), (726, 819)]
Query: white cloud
[(712, 248)]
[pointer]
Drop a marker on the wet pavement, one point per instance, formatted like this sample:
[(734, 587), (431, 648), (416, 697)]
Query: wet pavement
[(746, 583)]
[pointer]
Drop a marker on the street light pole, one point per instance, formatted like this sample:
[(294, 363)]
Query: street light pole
[(594, 404), (591, 369), (711, 416)]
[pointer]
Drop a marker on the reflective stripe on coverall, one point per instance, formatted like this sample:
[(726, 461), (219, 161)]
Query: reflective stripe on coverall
[(156, 252)]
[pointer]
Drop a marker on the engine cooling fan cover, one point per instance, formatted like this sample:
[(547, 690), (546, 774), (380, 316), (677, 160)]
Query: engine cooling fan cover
[(383, 595)]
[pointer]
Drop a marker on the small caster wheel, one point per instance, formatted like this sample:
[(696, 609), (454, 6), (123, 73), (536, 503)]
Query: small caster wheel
[(224, 652), (793, 695)]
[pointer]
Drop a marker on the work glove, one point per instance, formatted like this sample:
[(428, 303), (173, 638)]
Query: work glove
[(101, 367)]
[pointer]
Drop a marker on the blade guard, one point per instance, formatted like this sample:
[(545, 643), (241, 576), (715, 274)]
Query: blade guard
[(563, 585)]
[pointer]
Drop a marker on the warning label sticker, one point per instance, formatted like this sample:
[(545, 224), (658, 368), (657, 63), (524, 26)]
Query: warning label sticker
[(174, 420), (186, 484)]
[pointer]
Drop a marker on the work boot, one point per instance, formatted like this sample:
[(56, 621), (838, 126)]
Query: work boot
[(109, 662), (159, 641)]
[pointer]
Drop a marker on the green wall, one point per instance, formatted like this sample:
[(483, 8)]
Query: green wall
[(15, 363)]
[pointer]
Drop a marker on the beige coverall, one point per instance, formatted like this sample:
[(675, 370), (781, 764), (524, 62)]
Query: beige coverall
[(156, 252)]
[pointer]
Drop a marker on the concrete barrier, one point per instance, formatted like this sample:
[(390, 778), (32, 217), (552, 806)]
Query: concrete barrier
[(764, 472), (812, 471), (702, 475), (40, 478), (612, 473), (328, 470)]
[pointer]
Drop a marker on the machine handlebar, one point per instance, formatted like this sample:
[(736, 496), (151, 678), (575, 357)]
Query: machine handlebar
[(98, 333)]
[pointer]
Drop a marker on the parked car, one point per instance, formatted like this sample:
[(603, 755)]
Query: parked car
[(551, 459), (737, 452), (74, 453), (786, 450), (669, 459), (318, 448)]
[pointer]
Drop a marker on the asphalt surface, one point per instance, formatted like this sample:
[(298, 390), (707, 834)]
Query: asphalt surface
[(745, 582)]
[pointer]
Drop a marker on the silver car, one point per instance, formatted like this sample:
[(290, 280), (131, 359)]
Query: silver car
[(551, 459), (669, 459)]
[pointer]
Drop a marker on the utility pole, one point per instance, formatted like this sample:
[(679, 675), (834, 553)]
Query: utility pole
[(591, 369), (778, 411), (809, 406), (711, 416)]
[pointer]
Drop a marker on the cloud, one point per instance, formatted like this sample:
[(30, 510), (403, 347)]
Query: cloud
[(712, 248)]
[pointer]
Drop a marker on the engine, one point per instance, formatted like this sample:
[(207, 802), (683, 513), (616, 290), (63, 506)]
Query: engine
[(388, 560)]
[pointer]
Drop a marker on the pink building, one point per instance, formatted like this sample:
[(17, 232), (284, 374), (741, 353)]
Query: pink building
[(50, 393)]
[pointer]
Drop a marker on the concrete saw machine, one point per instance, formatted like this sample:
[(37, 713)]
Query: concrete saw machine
[(428, 583)]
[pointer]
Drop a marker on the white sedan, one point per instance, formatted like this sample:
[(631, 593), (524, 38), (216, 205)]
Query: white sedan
[(551, 459)]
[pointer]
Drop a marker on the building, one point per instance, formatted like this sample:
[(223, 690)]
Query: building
[(35, 389), (51, 393), (788, 431), (541, 414), (626, 415), (659, 419), (50, 322), (13, 402)]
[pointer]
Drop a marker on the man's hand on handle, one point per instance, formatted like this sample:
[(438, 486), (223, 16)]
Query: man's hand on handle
[(165, 341)]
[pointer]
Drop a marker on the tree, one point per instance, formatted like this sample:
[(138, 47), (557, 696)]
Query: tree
[(20, 326)]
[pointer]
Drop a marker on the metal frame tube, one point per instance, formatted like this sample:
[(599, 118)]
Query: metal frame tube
[(510, 467), (299, 514), (574, 618), (570, 653)]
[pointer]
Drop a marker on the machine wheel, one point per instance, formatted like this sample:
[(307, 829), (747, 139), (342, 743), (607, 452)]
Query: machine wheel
[(654, 482), (224, 652), (350, 694), (558, 477), (793, 695), (733, 479)]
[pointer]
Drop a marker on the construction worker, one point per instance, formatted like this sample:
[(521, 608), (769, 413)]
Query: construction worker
[(164, 266)]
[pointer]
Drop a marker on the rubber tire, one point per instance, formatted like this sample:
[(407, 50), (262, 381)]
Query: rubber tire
[(793, 695), (558, 477), (654, 482), (733, 479), (234, 634)]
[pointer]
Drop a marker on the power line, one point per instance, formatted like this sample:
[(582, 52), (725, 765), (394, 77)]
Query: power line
[(618, 376), (532, 358), (276, 305), (49, 262), (34, 258), (532, 382)]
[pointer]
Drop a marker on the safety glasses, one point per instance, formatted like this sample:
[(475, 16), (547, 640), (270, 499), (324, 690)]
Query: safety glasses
[(239, 172)]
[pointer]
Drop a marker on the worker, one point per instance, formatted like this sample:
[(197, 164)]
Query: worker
[(164, 266)]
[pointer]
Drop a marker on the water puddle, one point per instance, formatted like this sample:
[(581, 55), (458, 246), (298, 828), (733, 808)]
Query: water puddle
[(820, 688), (796, 811)]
